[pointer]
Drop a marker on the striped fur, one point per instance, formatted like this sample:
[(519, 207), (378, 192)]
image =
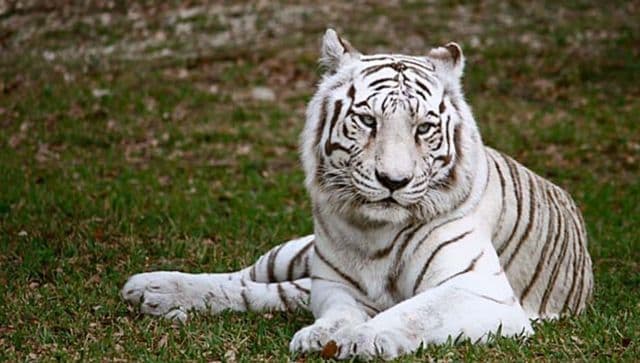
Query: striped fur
[(422, 233)]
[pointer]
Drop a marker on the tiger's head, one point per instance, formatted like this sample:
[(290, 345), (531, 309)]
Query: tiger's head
[(389, 137)]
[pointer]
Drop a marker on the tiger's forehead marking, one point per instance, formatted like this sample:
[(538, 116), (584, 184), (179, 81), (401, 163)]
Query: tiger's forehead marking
[(396, 82), (398, 66), (399, 62)]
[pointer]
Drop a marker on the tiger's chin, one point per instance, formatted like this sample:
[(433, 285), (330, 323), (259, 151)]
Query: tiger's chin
[(363, 212), (384, 212)]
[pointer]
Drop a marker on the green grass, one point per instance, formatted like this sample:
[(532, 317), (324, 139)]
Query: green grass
[(166, 172)]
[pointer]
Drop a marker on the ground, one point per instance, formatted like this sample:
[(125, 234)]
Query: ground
[(165, 137)]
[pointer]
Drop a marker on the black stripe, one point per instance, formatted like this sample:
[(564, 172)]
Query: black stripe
[(345, 133), (383, 252), (367, 306), (556, 267), (370, 97), (580, 283), (457, 138), (421, 94), (588, 276), (570, 270), (373, 69), (428, 234), (381, 80), (271, 264), (299, 288), (513, 173), (343, 275), (295, 258), (426, 66), (340, 283), (320, 129), (555, 242), (433, 255), (581, 241), (579, 293), (392, 287), (307, 270), (243, 293), (381, 87), (283, 298), (351, 93), (322, 120), (585, 291), (329, 146), (422, 86), (530, 222), (468, 269), (223, 293), (423, 74), (404, 245), (358, 300), (503, 196), (245, 300), (578, 261), (252, 272), (387, 97), (210, 295), (509, 302), (375, 58), (544, 255), (398, 265)]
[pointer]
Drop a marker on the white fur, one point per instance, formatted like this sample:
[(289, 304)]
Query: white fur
[(369, 306)]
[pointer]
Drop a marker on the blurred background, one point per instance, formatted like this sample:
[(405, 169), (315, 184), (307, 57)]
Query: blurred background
[(149, 135)]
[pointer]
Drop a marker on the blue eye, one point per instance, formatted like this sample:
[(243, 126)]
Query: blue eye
[(423, 128), (368, 121)]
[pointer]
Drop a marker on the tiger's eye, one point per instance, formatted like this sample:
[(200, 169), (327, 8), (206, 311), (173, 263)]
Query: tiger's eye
[(423, 128), (367, 120)]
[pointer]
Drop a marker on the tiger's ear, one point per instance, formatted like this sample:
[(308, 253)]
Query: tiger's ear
[(335, 51), (450, 58)]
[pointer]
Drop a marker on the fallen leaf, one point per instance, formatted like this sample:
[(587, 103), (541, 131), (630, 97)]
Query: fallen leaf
[(263, 94)]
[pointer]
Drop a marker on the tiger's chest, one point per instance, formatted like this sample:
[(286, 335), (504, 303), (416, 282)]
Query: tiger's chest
[(382, 266), (384, 288), (379, 281)]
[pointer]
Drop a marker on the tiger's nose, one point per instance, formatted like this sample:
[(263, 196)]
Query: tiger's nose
[(392, 183)]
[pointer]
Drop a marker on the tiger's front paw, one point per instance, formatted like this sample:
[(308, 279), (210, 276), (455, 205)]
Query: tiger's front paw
[(163, 293), (314, 337), (365, 341)]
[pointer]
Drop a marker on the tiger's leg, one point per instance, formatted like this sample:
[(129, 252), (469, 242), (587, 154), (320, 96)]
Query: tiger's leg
[(470, 305), (286, 262), (277, 281), (334, 307)]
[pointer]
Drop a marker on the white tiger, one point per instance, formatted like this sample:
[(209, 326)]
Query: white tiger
[(422, 233)]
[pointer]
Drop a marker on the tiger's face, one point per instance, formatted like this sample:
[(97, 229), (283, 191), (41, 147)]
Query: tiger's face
[(385, 131)]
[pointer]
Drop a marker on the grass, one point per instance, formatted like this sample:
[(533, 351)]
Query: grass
[(175, 166)]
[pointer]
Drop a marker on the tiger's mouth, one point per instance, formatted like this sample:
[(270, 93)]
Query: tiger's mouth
[(385, 210), (386, 202)]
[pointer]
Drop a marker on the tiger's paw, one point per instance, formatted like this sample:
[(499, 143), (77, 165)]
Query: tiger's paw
[(367, 342), (314, 337), (163, 293)]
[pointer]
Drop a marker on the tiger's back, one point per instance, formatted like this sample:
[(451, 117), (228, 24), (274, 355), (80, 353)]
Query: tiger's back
[(541, 241)]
